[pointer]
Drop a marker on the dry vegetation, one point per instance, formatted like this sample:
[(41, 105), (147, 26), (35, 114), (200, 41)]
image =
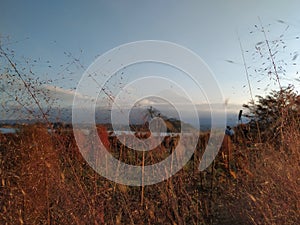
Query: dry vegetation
[(45, 180)]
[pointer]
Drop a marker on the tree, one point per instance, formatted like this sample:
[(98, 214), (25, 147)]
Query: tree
[(275, 114)]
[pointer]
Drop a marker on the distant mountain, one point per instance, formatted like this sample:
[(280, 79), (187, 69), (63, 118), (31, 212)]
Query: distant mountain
[(103, 116), (61, 109)]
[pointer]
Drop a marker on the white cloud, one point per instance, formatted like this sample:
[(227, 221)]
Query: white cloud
[(62, 96)]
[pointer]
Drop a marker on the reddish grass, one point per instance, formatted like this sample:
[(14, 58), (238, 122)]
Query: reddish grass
[(45, 180)]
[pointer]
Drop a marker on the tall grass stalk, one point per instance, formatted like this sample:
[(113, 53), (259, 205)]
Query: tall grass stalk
[(249, 84)]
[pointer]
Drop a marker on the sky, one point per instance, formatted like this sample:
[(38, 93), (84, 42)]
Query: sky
[(65, 37)]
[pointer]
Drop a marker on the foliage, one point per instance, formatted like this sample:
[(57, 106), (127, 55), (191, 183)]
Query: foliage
[(275, 112)]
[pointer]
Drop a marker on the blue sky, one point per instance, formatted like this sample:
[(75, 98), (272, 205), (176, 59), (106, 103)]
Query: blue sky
[(90, 28)]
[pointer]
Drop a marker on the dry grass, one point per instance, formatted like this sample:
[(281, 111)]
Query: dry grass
[(45, 180)]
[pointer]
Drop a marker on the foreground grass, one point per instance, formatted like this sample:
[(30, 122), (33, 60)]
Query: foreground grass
[(45, 180)]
